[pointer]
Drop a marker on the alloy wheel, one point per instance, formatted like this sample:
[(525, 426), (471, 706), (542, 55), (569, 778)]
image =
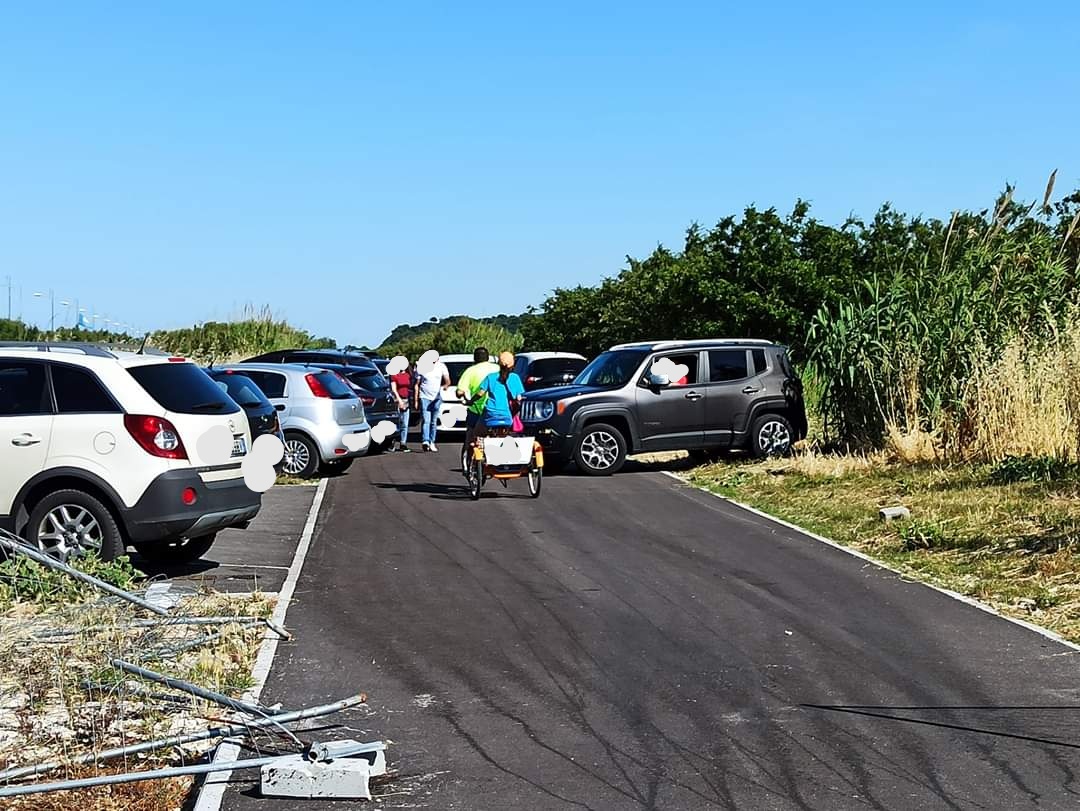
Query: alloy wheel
[(600, 450), (69, 530), (297, 457), (774, 438)]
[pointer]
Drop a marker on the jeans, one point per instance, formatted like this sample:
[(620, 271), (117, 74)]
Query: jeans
[(429, 411), (403, 426)]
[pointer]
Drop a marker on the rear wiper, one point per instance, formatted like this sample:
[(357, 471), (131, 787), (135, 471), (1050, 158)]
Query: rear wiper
[(208, 406)]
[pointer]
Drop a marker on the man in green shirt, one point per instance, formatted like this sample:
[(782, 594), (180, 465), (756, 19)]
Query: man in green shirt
[(468, 383)]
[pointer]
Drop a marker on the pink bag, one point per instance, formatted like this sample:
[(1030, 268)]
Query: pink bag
[(518, 427)]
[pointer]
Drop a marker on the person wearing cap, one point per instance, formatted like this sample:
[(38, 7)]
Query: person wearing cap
[(504, 391)]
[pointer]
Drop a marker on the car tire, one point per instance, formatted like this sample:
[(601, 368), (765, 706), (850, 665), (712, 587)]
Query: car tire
[(301, 456), (79, 513), (600, 450), (174, 552), (771, 435)]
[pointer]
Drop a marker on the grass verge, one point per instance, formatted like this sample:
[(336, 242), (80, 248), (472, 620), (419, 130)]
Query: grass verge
[(60, 698), (1006, 535)]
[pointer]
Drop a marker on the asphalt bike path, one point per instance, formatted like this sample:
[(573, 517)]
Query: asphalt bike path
[(631, 642)]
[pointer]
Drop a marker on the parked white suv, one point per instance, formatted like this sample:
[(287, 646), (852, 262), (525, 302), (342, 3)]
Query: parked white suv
[(101, 450), (455, 365)]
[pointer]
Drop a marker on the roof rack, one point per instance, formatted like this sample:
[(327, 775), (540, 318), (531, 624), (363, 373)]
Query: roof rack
[(51, 346), (97, 350), (694, 342)]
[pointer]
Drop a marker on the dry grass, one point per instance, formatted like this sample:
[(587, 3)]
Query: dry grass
[(152, 795), (1027, 402), (1013, 546), (60, 698)]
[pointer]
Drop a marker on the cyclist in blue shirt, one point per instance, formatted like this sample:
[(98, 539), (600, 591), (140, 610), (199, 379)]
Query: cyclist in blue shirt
[(504, 390)]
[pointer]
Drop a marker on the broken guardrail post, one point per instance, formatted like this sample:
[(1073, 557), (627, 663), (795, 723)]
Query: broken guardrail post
[(227, 731), (13, 543), (344, 752), (193, 689)]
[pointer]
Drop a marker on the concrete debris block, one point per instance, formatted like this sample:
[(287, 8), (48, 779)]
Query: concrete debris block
[(327, 776), (299, 777), (894, 513)]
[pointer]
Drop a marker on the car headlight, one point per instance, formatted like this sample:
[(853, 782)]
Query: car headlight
[(544, 410)]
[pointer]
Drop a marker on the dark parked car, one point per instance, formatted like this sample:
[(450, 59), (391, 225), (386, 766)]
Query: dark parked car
[(730, 395), (347, 357), (542, 370), (261, 416), (373, 390)]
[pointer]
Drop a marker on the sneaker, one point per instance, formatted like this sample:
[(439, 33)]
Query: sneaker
[(425, 447), (432, 448), (404, 449)]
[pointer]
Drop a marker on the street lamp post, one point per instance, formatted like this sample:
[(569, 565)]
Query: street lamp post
[(52, 309)]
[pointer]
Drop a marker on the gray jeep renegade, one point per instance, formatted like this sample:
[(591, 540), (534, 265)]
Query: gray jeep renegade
[(704, 396)]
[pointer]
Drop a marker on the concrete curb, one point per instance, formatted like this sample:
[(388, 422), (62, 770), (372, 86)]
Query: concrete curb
[(212, 793)]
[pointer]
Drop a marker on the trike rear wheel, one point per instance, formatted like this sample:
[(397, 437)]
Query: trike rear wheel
[(536, 478), (476, 479)]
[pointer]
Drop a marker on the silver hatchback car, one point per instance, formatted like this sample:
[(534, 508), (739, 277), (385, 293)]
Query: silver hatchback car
[(322, 418)]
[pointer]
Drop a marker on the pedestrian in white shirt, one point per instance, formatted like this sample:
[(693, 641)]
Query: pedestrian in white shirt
[(432, 378)]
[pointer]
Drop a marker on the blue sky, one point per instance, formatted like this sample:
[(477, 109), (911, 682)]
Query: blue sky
[(359, 165)]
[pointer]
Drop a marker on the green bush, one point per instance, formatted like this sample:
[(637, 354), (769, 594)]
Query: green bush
[(25, 580)]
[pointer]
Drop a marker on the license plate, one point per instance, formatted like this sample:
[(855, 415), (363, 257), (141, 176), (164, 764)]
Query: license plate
[(239, 446)]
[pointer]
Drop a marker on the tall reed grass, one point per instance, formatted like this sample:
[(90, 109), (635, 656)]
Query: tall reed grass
[(960, 345)]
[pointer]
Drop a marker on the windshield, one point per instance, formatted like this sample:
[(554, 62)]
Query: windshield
[(455, 368), (241, 389), (612, 368)]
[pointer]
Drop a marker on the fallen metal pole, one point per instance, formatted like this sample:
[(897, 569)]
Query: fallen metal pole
[(156, 774), (147, 623), (182, 740), (17, 546), (188, 687)]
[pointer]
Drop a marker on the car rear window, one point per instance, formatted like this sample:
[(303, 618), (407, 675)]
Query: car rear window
[(183, 388), (271, 384), (556, 367), (759, 361), (79, 392), (727, 364), (334, 384), (241, 389)]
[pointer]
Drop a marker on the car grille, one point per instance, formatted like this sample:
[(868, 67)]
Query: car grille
[(530, 411)]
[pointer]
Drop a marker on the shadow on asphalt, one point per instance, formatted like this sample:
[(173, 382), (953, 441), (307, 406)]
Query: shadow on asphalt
[(172, 570), (446, 492)]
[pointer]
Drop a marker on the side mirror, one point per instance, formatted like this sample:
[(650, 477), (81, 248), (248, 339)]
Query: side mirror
[(659, 381)]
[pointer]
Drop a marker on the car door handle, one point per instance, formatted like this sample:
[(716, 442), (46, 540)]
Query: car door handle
[(751, 390), (25, 440), (280, 407), (693, 395)]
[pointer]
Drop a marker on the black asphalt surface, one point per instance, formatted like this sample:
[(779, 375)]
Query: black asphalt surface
[(252, 559), (631, 643)]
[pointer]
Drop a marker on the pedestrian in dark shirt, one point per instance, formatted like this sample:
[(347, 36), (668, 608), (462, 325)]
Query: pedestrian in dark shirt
[(402, 384)]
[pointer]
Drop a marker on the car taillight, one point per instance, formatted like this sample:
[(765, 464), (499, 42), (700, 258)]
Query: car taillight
[(316, 386), (367, 401), (156, 436), (533, 379), (189, 496)]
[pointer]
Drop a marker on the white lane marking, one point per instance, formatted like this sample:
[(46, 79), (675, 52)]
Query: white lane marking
[(905, 577), (212, 793)]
